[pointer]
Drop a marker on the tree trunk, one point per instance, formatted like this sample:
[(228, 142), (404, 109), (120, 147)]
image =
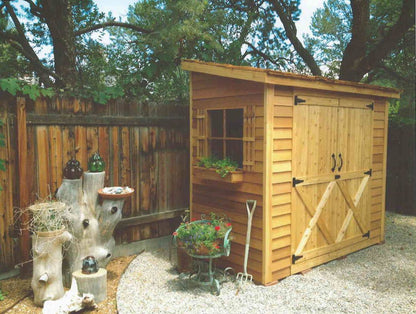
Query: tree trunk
[(291, 33), (91, 224), (47, 267), (356, 49), (357, 60), (58, 17), (95, 284)]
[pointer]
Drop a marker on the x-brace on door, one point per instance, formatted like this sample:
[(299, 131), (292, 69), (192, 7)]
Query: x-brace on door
[(331, 167)]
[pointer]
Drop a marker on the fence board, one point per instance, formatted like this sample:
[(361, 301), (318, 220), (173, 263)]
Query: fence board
[(143, 146)]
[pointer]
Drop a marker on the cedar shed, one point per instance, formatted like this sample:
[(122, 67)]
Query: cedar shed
[(313, 155)]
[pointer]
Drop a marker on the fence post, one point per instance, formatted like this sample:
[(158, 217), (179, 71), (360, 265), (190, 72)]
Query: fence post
[(23, 189)]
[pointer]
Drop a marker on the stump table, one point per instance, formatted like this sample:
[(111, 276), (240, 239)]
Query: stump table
[(95, 283)]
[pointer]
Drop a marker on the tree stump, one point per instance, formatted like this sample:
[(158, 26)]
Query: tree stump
[(91, 224), (95, 284), (47, 265)]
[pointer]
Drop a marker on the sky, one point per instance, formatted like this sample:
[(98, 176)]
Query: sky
[(119, 9)]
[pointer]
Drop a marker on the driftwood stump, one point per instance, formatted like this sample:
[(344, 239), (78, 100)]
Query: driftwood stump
[(71, 302), (90, 223), (47, 265), (95, 284)]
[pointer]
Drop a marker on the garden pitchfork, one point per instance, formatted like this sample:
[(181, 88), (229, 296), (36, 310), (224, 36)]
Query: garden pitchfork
[(250, 212)]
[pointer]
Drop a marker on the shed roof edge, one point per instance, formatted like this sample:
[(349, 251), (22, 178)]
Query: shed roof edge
[(287, 79)]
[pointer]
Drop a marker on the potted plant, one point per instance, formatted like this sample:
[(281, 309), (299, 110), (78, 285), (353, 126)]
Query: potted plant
[(48, 227), (183, 260), (48, 218), (205, 237), (225, 170)]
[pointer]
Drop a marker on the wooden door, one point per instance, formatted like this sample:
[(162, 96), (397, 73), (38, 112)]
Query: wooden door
[(354, 156), (331, 152)]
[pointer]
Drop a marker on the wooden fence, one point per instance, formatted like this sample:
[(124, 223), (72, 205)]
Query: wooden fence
[(401, 169), (145, 147)]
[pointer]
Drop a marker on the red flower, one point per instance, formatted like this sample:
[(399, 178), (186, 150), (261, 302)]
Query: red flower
[(175, 233), (217, 228), (217, 247), (193, 219), (228, 224)]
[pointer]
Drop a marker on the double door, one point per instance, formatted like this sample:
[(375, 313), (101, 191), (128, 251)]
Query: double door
[(332, 152)]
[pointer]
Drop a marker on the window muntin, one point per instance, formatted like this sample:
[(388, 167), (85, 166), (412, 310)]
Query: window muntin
[(225, 134)]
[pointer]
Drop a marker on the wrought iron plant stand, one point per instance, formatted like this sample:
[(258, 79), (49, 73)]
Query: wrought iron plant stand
[(205, 273)]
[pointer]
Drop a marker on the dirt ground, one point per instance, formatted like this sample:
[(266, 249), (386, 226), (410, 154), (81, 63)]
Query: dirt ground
[(19, 295)]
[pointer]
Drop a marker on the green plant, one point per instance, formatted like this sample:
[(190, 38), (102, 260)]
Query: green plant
[(221, 166), (203, 237), (16, 86), (207, 162), (2, 294)]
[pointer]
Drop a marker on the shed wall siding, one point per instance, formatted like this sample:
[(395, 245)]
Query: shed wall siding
[(378, 181), (212, 92), (281, 182)]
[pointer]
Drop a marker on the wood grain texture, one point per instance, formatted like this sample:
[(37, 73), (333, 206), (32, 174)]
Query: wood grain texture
[(51, 142)]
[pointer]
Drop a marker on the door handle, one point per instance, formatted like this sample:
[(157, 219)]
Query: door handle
[(342, 162), (334, 164)]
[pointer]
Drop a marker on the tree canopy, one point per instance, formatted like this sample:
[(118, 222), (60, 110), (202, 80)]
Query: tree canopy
[(362, 39)]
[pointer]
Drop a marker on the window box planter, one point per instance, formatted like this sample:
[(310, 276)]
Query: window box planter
[(211, 175)]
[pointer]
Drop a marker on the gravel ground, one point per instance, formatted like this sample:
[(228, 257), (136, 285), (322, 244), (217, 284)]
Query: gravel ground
[(19, 297), (379, 279)]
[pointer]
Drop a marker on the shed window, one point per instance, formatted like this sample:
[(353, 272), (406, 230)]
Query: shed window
[(225, 134)]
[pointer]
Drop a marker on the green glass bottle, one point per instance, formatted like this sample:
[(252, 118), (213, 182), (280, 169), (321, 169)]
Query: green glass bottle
[(96, 163)]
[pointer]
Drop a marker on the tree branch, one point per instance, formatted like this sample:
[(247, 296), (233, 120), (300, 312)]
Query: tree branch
[(264, 55), (21, 43), (111, 24), (392, 38), (34, 9), (356, 62), (355, 50), (39, 67), (291, 31)]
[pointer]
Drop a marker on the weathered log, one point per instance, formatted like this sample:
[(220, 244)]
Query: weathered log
[(70, 192), (93, 181), (47, 266), (109, 214), (70, 302), (95, 284), (91, 225)]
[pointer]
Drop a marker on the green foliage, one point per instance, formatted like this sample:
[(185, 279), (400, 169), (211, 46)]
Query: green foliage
[(2, 295), (331, 32), (104, 94), (101, 95), (18, 87), (203, 234), (221, 166)]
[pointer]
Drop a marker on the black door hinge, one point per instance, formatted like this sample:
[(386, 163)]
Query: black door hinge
[(295, 258), (367, 235), (371, 106), (337, 176), (299, 100), (369, 172), (296, 181)]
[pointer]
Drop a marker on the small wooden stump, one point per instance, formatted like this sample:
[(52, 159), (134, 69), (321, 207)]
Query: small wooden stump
[(96, 284)]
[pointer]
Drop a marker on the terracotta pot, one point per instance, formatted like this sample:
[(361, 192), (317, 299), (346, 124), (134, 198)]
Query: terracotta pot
[(184, 261), (203, 250)]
